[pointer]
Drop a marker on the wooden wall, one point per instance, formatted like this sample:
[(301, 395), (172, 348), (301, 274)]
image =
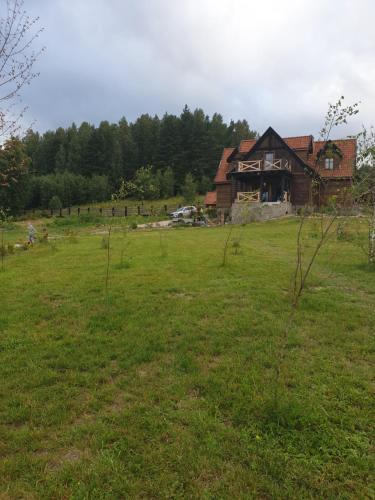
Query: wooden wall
[(224, 196), (335, 187), (300, 186)]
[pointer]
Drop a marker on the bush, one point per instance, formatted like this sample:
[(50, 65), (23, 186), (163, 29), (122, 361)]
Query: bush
[(55, 203)]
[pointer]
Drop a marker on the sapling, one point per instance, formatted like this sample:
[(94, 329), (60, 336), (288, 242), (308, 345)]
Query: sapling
[(364, 190), (2, 249), (226, 244), (124, 264), (108, 259), (162, 245), (336, 115)]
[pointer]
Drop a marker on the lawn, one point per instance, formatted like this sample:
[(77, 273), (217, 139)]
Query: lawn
[(164, 388)]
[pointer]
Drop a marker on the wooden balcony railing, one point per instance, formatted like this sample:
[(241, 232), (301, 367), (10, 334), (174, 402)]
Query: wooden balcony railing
[(249, 196), (259, 165)]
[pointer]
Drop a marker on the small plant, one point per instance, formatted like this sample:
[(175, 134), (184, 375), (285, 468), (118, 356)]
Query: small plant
[(236, 245), (163, 246), (72, 236), (104, 243), (133, 225), (43, 238), (226, 244), (52, 246), (124, 263), (10, 249), (342, 231), (108, 259), (315, 229)]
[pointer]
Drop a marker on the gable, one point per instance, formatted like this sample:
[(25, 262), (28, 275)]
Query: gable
[(271, 141), (347, 158)]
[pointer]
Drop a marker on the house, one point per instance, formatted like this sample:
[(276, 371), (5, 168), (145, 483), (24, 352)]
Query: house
[(293, 170)]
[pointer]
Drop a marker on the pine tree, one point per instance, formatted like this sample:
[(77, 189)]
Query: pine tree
[(189, 189), (128, 147), (74, 153), (239, 131), (168, 183), (60, 159)]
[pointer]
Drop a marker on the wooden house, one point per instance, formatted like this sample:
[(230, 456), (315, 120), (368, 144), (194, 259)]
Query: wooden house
[(272, 169)]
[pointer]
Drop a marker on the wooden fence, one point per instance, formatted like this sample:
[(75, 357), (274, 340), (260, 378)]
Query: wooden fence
[(115, 211)]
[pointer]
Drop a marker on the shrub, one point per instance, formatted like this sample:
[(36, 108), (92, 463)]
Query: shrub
[(55, 203)]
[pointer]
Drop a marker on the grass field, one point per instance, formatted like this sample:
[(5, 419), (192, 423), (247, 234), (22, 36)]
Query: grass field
[(164, 388)]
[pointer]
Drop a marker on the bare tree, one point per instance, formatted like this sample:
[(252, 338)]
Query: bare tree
[(336, 115), (364, 189), (18, 34)]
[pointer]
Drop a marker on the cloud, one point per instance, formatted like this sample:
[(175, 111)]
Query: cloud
[(271, 62)]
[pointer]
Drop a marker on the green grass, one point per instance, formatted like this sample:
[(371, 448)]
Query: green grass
[(170, 202), (164, 388)]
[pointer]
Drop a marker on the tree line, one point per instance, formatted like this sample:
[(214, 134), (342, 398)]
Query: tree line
[(88, 163)]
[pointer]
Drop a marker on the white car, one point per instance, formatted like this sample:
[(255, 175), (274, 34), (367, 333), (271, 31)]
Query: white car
[(184, 212)]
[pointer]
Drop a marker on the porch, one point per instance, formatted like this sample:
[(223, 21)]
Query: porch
[(257, 186), (255, 197)]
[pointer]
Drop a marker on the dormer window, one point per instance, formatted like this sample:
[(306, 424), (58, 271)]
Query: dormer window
[(329, 163)]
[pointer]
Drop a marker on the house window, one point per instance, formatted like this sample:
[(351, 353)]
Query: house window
[(268, 160), (329, 163)]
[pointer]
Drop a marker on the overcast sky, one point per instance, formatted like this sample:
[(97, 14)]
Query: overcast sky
[(273, 62)]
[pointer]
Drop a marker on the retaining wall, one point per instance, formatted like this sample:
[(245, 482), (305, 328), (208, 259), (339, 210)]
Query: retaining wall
[(243, 213)]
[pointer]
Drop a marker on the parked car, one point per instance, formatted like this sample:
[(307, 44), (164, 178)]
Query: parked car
[(184, 212)]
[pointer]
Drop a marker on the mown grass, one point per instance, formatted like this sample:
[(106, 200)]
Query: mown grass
[(164, 387)]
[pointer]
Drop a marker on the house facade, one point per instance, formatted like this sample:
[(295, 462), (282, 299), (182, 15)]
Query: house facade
[(272, 169)]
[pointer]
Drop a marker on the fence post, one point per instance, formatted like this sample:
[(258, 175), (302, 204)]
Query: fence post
[(126, 211), (113, 211), (101, 211), (139, 210), (78, 211), (60, 212), (69, 210), (166, 209), (88, 210)]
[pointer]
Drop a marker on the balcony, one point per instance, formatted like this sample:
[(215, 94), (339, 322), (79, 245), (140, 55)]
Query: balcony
[(248, 196), (263, 165), (255, 197)]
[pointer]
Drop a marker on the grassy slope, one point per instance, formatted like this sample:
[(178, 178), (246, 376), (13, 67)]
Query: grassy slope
[(164, 389), (170, 202)]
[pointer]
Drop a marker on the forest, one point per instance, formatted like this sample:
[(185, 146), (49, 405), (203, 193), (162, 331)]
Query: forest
[(88, 163)]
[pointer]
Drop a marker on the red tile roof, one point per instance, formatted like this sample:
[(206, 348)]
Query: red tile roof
[(346, 166), (300, 142), (246, 145), (223, 166), (210, 198)]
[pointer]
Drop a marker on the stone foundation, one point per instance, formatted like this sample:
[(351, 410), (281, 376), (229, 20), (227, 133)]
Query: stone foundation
[(243, 213)]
